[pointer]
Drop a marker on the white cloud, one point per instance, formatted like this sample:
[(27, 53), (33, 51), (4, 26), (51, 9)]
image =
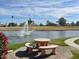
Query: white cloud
[(3, 11), (59, 12), (37, 7)]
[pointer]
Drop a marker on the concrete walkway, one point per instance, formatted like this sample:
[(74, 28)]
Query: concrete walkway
[(71, 42), (61, 53)]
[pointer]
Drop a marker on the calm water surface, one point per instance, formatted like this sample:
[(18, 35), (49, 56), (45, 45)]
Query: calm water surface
[(13, 35)]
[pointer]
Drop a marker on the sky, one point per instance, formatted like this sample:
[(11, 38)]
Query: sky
[(38, 10)]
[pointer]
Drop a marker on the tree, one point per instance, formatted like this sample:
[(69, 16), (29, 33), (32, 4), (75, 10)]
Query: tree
[(22, 24), (50, 23), (30, 21), (77, 23), (62, 21), (12, 24), (72, 24), (41, 24)]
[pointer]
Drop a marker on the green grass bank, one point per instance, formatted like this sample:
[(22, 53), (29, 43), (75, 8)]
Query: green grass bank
[(41, 28), (54, 41)]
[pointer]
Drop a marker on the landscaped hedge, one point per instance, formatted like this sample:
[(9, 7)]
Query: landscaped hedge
[(3, 43)]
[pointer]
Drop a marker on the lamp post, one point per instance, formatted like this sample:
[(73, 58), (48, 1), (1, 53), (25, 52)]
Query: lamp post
[(12, 19)]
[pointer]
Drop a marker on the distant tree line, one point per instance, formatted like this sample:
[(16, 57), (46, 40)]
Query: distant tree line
[(61, 22)]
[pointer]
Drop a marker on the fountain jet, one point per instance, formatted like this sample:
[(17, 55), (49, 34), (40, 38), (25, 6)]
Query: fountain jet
[(25, 30)]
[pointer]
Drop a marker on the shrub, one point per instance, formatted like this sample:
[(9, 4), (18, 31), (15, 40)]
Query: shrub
[(3, 43)]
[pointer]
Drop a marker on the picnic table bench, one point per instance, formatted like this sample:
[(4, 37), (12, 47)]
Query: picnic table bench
[(43, 48)]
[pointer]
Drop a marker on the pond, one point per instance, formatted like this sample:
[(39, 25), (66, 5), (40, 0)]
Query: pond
[(13, 35)]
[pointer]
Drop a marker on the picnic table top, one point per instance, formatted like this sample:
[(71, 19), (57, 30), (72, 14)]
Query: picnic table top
[(42, 39)]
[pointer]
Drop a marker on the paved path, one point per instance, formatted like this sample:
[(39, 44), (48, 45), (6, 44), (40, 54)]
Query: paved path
[(71, 43), (61, 53)]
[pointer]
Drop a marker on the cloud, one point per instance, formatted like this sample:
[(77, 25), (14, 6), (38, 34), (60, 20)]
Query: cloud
[(55, 8), (59, 12)]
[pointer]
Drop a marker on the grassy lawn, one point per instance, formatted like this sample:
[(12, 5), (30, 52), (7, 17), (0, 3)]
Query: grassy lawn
[(76, 52), (58, 41), (46, 28), (77, 41), (16, 46), (76, 56), (54, 41)]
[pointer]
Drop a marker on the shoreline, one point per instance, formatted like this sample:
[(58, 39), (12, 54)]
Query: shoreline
[(57, 30), (43, 28)]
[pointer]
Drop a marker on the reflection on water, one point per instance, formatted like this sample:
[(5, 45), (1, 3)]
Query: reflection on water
[(12, 35), (61, 34)]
